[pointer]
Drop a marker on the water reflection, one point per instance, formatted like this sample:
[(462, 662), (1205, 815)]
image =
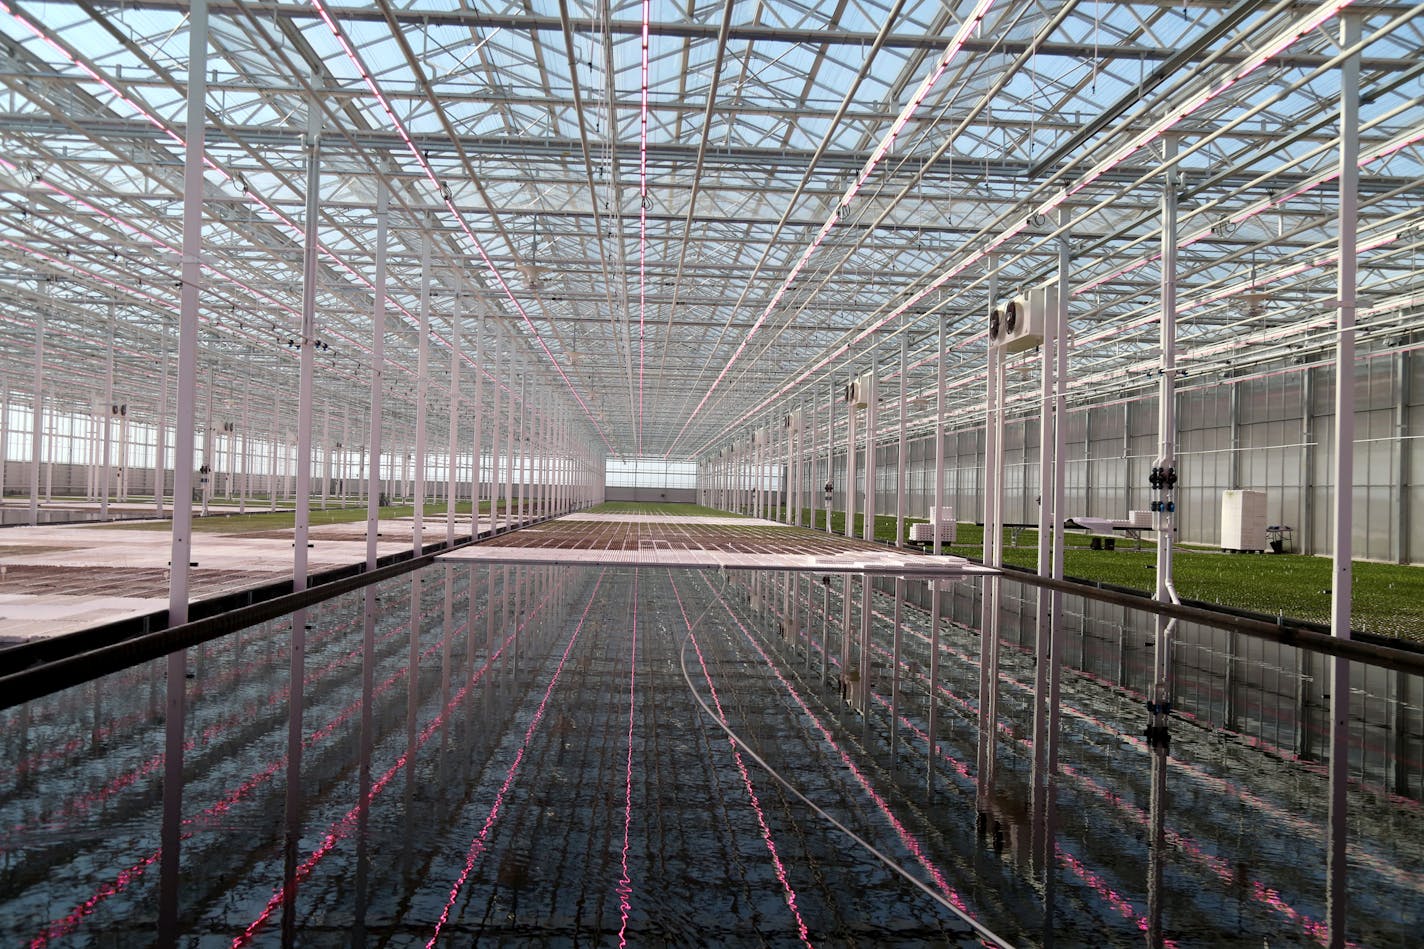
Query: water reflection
[(491, 753)]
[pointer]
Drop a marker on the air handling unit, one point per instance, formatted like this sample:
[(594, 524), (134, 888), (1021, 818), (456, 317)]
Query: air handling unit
[(1018, 324), (859, 393)]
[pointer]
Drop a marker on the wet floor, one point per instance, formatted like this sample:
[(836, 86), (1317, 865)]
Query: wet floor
[(544, 757)]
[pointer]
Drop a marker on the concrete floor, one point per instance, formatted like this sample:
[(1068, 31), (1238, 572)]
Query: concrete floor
[(61, 578)]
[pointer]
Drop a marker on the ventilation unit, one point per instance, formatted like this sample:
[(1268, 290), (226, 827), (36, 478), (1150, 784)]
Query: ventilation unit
[(793, 421), (860, 392), (759, 438), (1040, 306), (996, 326)]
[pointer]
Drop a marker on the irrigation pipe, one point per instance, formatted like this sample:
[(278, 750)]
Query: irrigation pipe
[(979, 928)]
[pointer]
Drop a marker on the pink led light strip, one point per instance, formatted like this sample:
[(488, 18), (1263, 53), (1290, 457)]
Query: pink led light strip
[(881, 150), (643, 224), (911, 843), (1250, 64), (477, 845), (449, 202), (778, 867), (343, 827)]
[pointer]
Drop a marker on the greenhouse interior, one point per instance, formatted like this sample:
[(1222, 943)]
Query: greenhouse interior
[(752, 473)]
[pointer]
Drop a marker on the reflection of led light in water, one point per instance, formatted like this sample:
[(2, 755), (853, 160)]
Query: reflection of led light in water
[(342, 828), (625, 888), (909, 840), (477, 846), (766, 837), (70, 922), (1217, 865)]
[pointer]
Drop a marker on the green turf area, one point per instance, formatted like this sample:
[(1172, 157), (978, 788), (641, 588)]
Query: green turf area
[(668, 510), (1388, 598)]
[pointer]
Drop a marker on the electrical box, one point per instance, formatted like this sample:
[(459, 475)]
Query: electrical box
[(1243, 520)]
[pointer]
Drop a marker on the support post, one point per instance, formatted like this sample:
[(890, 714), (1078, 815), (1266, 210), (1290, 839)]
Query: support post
[(1342, 549), (180, 548)]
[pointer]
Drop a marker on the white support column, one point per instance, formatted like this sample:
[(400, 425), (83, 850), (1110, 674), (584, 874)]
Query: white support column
[(160, 453), (422, 393), (37, 414), (180, 548), (245, 456), (378, 378), (452, 469), (305, 399), (852, 485), (900, 451), (477, 449), (939, 432), (525, 444), (1342, 548), (509, 433), (106, 473), (1165, 466), (872, 425)]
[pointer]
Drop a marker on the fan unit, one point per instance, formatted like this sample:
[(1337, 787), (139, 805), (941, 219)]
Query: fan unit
[(793, 421), (760, 437), (865, 389), (1020, 329), (1041, 305), (996, 326)]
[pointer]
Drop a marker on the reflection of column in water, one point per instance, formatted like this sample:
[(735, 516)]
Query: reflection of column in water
[(825, 624), (1157, 852), (448, 629), (932, 689), (296, 679), (866, 617), (846, 596), (363, 781), (895, 669), (988, 690)]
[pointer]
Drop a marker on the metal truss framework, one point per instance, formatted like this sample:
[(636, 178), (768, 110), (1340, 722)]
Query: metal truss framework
[(684, 218)]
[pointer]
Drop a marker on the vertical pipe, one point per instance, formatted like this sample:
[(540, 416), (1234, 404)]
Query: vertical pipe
[(938, 493), (900, 452), (451, 470), (37, 416), (107, 473), (993, 536), (830, 448), (160, 453), (1042, 646), (872, 425), (851, 486), (181, 529), (246, 426), (422, 395), (308, 354), (1342, 548), (1058, 318), (497, 388), (378, 376), (1164, 500), (509, 440), (524, 443)]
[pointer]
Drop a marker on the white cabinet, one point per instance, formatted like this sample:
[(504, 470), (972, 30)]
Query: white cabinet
[(1243, 520)]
